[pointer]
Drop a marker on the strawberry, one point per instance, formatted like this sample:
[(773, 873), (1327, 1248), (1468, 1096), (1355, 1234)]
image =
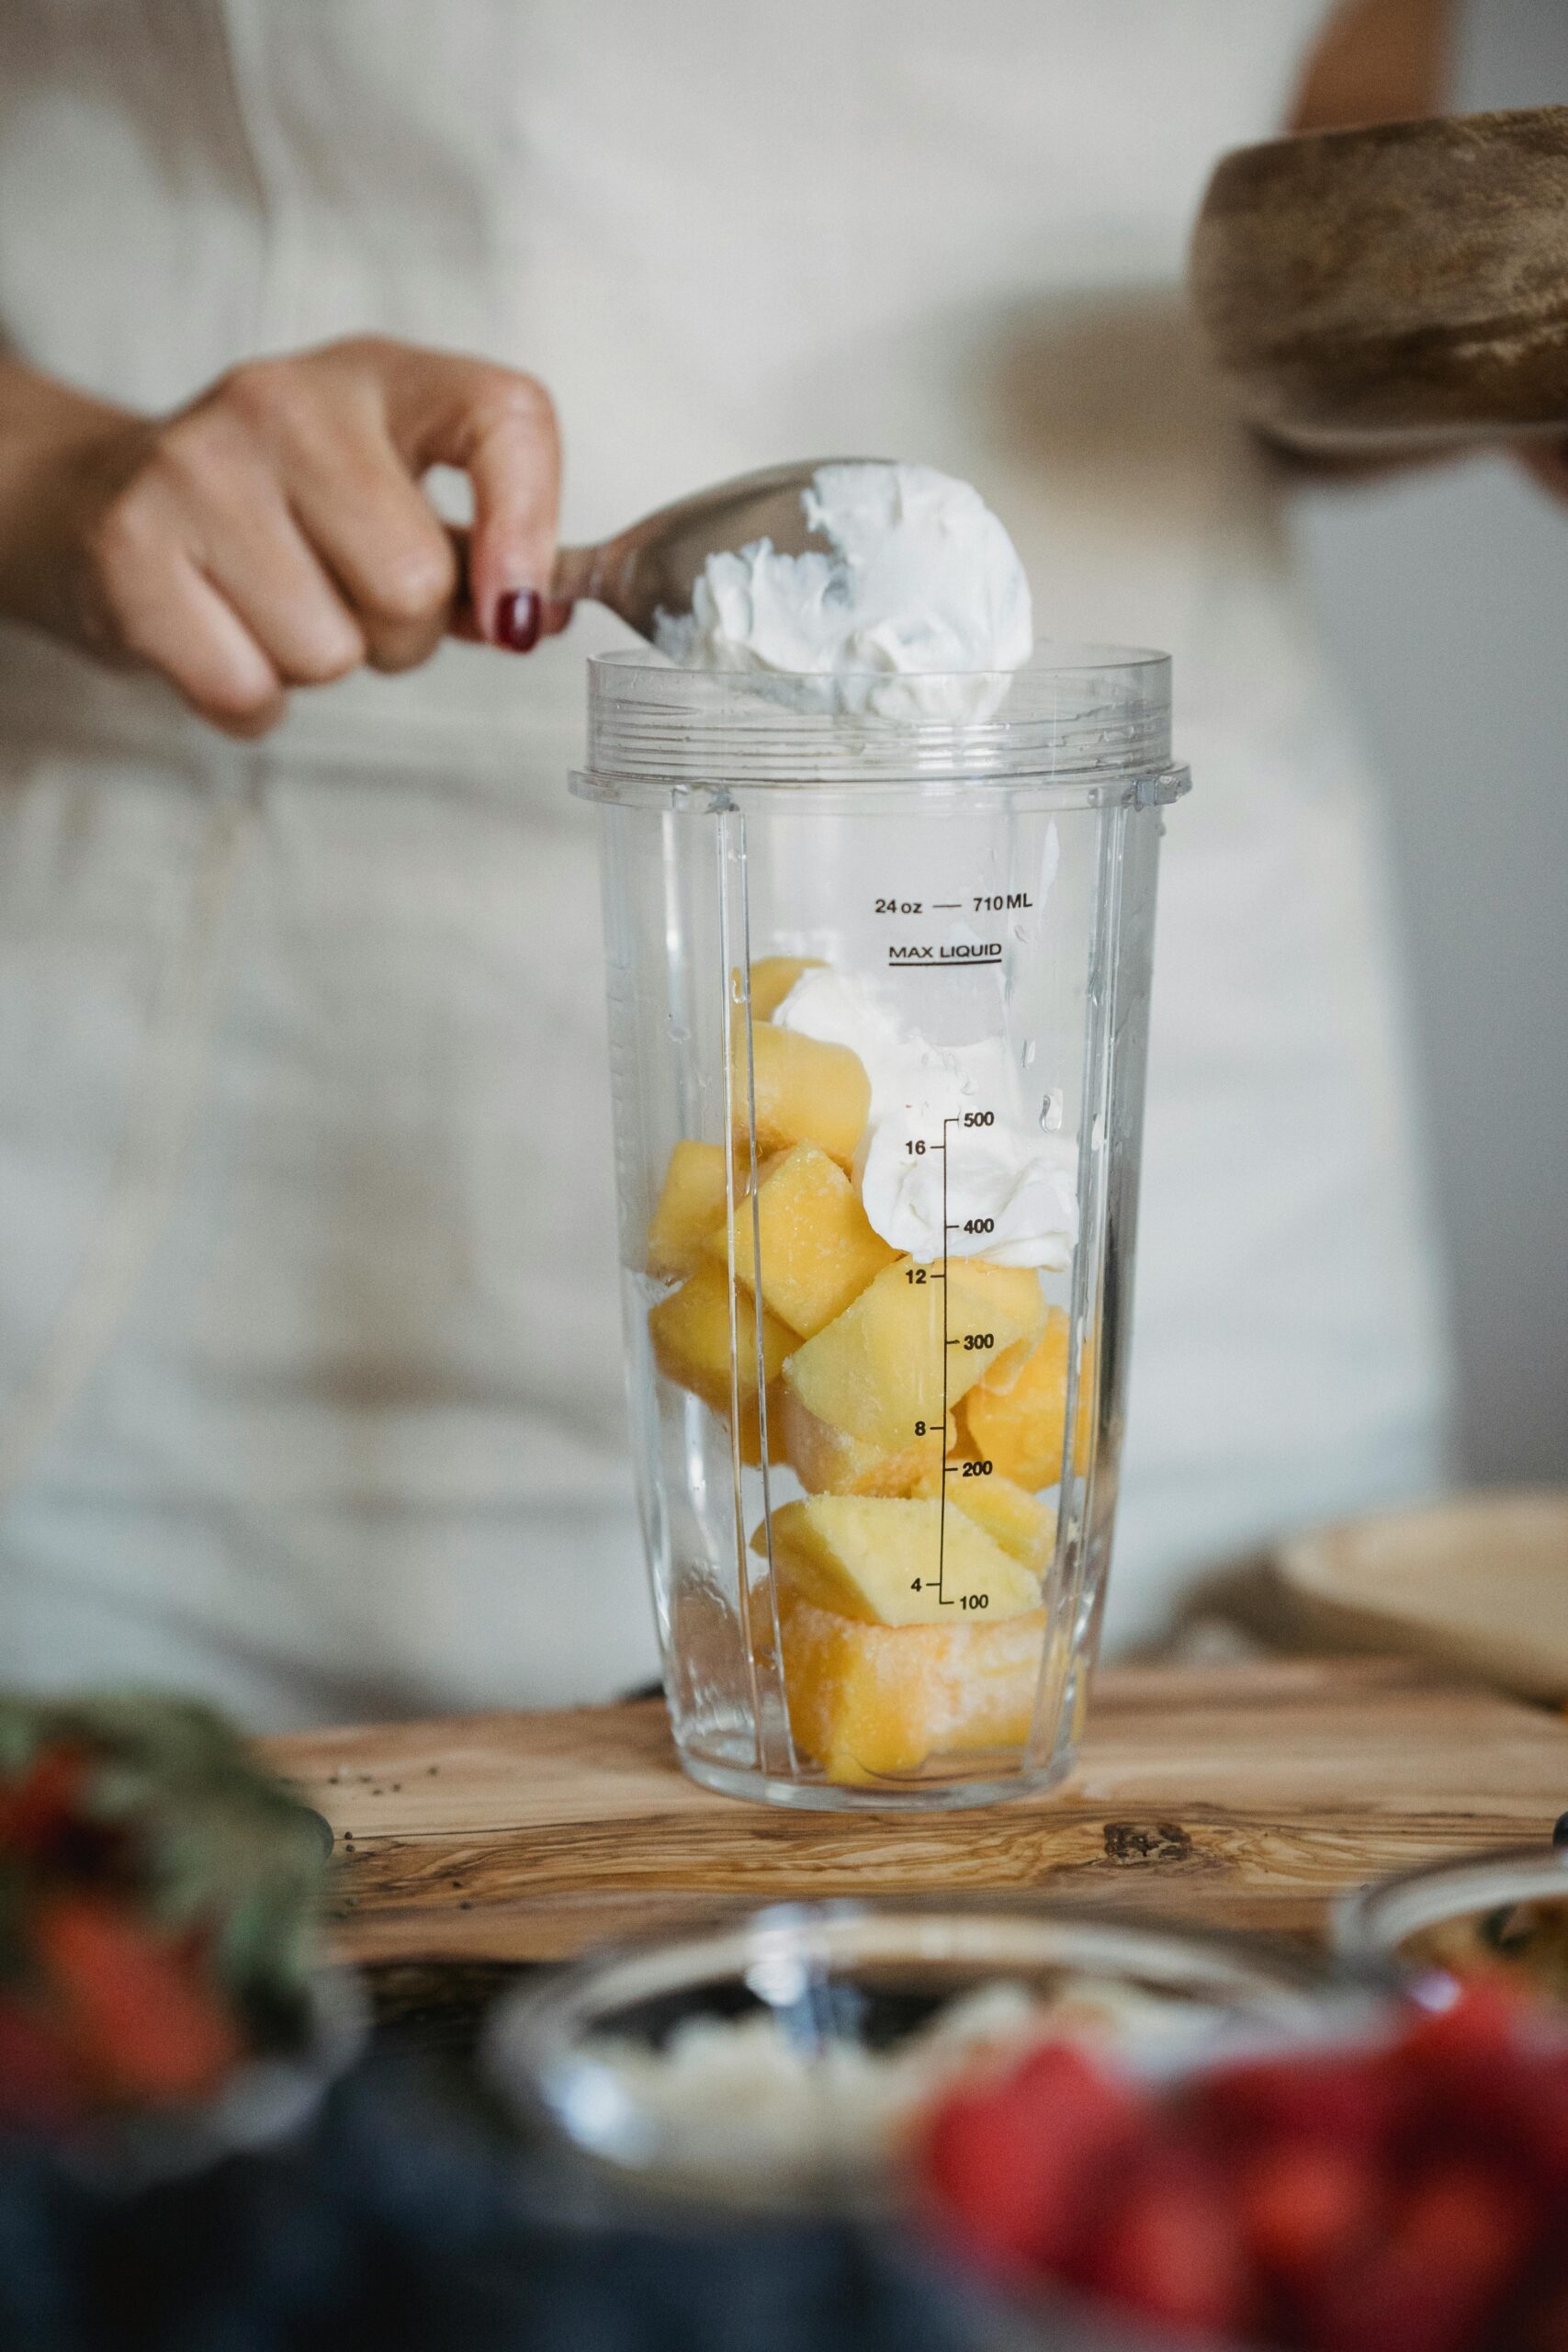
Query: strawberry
[(1011, 2161), (1350, 2099), (1166, 2242), (1370, 2306), (38, 1812), (1468, 2222), (1510, 2108), (1460, 2235), (1545, 2327), (1301, 2202), (145, 2021), (1408, 2200), (1539, 2111), (1480, 2024)]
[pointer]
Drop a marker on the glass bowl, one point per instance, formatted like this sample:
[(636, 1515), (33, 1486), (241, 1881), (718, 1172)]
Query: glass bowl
[(269, 2099), (1503, 1912), (777, 2060)]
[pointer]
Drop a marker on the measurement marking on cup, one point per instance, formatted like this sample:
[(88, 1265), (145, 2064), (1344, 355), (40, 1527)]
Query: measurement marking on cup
[(962, 959), (941, 1599)]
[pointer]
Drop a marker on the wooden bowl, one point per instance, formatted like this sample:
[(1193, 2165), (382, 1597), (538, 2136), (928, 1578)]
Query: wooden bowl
[(1479, 1582), (1406, 282)]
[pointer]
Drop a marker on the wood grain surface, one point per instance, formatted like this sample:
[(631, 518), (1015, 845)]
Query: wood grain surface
[(1404, 282), (1247, 1796)]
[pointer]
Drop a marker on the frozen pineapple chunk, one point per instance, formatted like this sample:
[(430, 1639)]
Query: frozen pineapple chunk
[(691, 1206), (877, 1370), (867, 1701), (818, 1249), (1003, 1371), (805, 1093), (691, 1338), (829, 1461), (752, 1427), (891, 1560), (1018, 1427), (773, 976), (1019, 1522)]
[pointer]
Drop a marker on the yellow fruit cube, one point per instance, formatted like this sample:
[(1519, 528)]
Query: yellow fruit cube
[(877, 1370), (1019, 1427), (773, 976), (690, 1330), (892, 1561), (869, 1701), (751, 1428), (1019, 1522), (829, 1461), (999, 1379), (818, 1249), (806, 1091), (691, 1205)]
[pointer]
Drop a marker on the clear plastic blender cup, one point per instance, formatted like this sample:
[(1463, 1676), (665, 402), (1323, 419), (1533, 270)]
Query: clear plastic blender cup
[(879, 974)]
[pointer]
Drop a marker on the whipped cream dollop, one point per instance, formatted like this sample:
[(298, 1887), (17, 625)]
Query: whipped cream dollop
[(921, 585), (1011, 1179)]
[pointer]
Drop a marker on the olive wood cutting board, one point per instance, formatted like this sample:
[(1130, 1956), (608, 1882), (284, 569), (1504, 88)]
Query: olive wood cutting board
[(1245, 1795)]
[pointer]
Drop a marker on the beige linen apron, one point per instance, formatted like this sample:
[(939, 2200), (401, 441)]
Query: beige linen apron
[(309, 1364)]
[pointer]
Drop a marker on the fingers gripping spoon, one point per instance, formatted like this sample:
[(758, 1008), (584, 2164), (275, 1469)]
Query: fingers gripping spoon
[(653, 567)]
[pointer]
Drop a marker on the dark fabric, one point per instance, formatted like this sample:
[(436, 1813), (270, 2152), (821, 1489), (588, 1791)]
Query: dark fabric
[(398, 2223)]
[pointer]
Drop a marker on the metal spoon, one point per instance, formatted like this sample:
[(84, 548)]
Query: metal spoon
[(654, 566)]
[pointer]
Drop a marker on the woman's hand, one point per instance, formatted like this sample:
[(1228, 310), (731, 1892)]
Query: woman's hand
[(274, 533), (1546, 462)]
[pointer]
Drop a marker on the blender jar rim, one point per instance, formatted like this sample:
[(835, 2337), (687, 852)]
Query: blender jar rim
[(1094, 717)]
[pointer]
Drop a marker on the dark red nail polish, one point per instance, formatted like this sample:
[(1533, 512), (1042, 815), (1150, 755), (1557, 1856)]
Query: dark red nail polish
[(517, 617)]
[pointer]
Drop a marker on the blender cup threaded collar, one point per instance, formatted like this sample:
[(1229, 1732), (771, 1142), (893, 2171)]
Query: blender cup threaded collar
[(1093, 719)]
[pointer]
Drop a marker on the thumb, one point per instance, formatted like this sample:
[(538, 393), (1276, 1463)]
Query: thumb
[(499, 427)]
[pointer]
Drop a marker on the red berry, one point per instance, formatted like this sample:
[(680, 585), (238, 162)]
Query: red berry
[(1010, 2163), (1367, 2306), (1545, 2327), (145, 2022), (1480, 2022), (1302, 2202), (1348, 2099), (1539, 2111), (1167, 2244), (1468, 2221), (39, 1810), (1458, 2240)]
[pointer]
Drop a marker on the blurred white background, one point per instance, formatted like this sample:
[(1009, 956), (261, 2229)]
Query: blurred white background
[(1444, 599)]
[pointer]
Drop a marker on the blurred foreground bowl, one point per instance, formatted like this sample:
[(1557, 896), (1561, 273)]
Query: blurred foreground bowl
[(266, 2101), (1501, 1916), (850, 2016)]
